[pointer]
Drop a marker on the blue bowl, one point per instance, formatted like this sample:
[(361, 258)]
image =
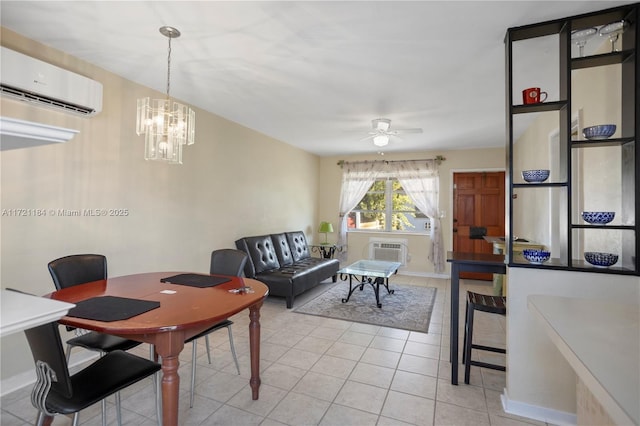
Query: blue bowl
[(599, 132), (535, 256), (598, 218), (535, 176), (600, 260)]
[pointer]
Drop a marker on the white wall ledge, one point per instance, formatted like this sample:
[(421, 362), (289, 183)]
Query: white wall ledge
[(600, 341), (16, 134)]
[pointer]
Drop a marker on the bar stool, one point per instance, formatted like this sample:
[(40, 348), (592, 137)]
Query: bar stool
[(484, 303)]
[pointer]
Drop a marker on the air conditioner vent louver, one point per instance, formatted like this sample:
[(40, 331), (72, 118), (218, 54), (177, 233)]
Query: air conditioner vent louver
[(34, 97), (390, 250), (390, 245)]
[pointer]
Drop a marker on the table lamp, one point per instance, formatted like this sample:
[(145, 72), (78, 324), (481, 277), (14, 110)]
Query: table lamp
[(325, 228)]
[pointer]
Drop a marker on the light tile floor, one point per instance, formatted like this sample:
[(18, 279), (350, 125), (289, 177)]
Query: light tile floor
[(319, 371)]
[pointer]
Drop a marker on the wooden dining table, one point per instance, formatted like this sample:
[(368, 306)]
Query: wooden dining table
[(184, 312)]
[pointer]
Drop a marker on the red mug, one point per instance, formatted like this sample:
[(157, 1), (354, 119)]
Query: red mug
[(532, 95)]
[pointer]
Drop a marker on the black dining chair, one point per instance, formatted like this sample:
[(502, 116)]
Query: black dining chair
[(223, 262), (79, 269), (58, 392)]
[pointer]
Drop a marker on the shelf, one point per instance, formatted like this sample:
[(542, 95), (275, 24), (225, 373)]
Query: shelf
[(553, 263), (619, 227), (541, 185), (541, 107), (587, 267), (611, 58), (577, 265), (535, 30), (601, 143), (592, 19)]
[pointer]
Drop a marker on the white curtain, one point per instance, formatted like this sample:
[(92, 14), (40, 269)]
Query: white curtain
[(421, 182), (419, 179), (357, 178)]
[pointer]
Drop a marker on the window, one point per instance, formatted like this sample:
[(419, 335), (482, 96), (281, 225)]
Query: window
[(387, 207)]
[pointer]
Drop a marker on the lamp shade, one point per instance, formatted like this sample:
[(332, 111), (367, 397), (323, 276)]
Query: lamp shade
[(325, 227)]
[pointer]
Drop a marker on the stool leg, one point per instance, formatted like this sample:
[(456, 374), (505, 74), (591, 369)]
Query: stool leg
[(468, 343)]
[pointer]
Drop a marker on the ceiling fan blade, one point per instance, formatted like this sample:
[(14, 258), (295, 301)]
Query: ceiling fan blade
[(417, 130), (368, 137)]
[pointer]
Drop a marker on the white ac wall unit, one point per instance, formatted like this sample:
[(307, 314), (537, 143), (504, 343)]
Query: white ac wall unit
[(389, 249), (28, 79)]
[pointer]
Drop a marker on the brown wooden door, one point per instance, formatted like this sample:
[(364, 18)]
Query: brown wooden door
[(478, 205)]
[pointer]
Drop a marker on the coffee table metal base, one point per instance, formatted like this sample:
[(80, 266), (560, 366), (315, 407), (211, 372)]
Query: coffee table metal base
[(375, 283)]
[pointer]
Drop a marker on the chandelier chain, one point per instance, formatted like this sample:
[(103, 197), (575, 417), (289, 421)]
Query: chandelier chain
[(169, 69)]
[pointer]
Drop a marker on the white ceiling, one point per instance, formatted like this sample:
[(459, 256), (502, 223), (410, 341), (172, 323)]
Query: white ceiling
[(307, 73)]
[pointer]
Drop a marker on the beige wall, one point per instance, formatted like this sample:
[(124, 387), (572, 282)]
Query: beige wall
[(456, 161), (234, 182)]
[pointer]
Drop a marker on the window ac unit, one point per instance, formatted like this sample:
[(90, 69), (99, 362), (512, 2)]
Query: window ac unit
[(391, 250), (28, 79)]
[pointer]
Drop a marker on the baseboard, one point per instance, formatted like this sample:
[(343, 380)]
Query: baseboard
[(424, 274), (28, 378), (547, 415)]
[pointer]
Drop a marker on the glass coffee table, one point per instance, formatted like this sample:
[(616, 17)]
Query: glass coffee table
[(372, 272)]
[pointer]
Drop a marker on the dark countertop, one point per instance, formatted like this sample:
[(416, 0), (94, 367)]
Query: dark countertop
[(475, 258)]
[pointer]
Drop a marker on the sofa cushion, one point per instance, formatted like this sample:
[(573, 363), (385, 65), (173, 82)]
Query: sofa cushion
[(282, 249), (262, 253), (298, 245)]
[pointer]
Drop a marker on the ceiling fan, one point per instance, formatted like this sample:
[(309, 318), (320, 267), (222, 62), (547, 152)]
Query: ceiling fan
[(381, 131)]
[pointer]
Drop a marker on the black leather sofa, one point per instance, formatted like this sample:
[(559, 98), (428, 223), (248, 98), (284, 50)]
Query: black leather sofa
[(284, 263)]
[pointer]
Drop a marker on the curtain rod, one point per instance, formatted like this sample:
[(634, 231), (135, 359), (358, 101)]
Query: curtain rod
[(438, 159)]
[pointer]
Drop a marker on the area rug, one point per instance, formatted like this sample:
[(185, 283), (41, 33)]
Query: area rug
[(408, 308)]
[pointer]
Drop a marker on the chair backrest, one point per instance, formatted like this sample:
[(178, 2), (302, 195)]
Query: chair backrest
[(78, 269), (228, 262), (46, 346)]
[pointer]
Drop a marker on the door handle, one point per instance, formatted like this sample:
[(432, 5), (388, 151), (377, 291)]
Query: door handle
[(455, 229)]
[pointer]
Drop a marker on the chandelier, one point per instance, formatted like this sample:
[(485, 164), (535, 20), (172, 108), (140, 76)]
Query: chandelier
[(167, 125)]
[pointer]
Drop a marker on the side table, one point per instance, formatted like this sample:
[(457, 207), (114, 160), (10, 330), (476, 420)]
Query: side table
[(327, 251)]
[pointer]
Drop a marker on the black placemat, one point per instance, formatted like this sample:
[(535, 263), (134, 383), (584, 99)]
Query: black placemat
[(111, 308), (195, 280)]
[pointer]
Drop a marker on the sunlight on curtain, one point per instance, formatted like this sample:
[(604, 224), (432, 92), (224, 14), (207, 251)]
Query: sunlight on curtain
[(357, 178), (421, 182)]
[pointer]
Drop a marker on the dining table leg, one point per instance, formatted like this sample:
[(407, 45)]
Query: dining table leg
[(254, 348), (168, 346)]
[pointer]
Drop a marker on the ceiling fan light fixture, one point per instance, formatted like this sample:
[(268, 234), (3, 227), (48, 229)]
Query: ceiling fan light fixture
[(381, 140), (381, 124)]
